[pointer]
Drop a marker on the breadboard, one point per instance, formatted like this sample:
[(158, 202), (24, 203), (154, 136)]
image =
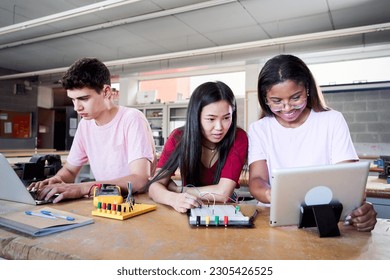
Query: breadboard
[(125, 211), (218, 215)]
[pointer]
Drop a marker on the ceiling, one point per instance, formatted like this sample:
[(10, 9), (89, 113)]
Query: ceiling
[(39, 36)]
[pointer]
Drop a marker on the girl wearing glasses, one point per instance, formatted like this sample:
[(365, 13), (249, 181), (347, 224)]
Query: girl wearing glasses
[(210, 151), (297, 129)]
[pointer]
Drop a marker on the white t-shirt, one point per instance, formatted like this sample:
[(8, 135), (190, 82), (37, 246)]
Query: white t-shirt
[(322, 139), (111, 147)]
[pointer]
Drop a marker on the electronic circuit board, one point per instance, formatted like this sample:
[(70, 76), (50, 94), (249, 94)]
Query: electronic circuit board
[(122, 211), (109, 203), (219, 215)]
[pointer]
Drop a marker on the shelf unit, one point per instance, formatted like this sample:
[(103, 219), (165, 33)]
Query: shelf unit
[(177, 114), (163, 119), (156, 115)]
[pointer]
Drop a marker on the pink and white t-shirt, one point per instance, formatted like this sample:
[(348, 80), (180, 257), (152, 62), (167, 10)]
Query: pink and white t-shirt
[(111, 147)]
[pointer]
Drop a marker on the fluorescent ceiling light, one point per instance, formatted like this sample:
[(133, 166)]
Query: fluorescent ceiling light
[(116, 23), (229, 48), (95, 8), (65, 15)]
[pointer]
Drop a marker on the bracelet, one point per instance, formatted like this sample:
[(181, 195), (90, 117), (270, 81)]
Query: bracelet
[(89, 191)]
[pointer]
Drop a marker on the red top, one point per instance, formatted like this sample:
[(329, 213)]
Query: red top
[(234, 161)]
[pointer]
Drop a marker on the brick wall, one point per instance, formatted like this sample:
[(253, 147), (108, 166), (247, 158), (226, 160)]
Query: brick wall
[(367, 112)]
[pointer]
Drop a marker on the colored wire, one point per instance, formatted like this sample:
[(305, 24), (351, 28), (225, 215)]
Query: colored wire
[(236, 198)]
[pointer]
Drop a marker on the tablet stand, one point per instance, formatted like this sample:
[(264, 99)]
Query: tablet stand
[(325, 217)]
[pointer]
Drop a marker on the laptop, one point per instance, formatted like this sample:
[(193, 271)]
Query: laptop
[(294, 188), (12, 187)]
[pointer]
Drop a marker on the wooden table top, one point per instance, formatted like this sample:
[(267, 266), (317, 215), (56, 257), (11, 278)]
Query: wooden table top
[(166, 234), (377, 187), (20, 156), (31, 152)]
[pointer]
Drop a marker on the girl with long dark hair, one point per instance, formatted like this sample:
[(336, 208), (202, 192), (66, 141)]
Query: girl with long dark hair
[(209, 151)]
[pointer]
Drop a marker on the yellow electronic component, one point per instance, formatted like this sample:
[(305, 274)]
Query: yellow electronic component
[(125, 211), (105, 193), (108, 203)]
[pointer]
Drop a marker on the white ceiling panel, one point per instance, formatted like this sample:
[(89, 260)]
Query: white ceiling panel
[(159, 27), (237, 35), (361, 13), (271, 11), (21, 10), (184, 43), (170, 4), (168, 27), (114, 37), (300, 25), (219, 18), (26, 57)]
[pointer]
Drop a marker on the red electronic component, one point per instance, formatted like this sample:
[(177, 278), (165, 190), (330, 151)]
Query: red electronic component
[(225, 221)]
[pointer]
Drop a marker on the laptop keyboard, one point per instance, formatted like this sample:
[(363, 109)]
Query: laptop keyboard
[(34, 194)]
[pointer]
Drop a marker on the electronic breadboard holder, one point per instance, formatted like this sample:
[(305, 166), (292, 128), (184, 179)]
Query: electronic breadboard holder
[(109, 203), (220, 215)]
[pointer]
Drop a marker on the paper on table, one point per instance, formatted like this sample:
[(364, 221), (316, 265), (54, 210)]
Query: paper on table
[(40, 226)]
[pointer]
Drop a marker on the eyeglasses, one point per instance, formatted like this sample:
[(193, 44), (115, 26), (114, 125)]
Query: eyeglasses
[(295, 103)]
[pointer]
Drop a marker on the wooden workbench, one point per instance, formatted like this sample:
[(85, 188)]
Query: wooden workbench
[(377, 187), (20, 156), (166, 234)]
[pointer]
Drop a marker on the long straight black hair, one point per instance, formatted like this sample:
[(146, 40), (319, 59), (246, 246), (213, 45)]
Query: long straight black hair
[(188, 153)]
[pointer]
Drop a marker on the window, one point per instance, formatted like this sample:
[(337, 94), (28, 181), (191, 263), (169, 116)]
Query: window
[(354, 71), (177, 89), (235, 80)]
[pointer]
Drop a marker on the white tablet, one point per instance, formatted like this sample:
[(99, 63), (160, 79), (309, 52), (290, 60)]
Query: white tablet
[(293, 188)]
